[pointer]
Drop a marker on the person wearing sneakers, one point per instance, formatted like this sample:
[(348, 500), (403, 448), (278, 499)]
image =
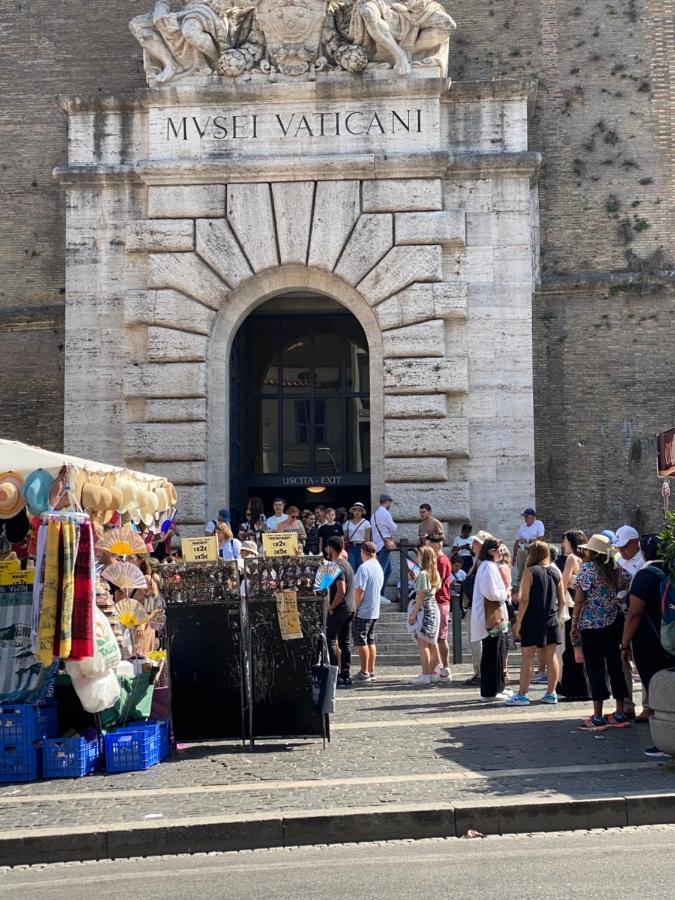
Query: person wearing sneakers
[(423, 617), (445, 573), (368, 583), (539, 621), (631, 560), (597, 619), (489, 621), (477, 541)]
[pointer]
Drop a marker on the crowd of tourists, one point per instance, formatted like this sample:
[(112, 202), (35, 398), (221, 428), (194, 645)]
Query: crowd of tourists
[(586, 612)]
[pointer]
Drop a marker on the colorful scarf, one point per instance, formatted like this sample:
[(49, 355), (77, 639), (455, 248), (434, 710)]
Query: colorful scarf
[(67, 551), (50, 587), (84, 596)]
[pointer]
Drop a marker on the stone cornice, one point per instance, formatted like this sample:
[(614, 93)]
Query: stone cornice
[(322, 168), (326, 87)]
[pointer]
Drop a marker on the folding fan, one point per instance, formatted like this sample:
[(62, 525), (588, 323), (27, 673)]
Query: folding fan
[(129, 613), (124, 575), (122, 542), (325, 576)]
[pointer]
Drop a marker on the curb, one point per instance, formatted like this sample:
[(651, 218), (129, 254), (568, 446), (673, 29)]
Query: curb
[(333, 826)]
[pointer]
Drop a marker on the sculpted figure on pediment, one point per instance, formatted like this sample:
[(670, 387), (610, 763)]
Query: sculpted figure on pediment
[(406, 33)]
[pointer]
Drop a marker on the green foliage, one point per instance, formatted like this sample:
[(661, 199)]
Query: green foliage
[(613, 204), (667, 542), (640, 224)]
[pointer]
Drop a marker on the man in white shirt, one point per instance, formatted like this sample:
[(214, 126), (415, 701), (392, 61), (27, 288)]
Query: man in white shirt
[(529, 531), (628, 544), (279, 516), (382, 528)]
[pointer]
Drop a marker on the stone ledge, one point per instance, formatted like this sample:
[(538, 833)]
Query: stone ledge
[(426, 437), (165, 380), (399, 268), (186, 201), (414, 469)]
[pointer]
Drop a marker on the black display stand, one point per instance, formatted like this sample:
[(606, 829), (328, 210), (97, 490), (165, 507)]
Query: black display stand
[(205, 649)]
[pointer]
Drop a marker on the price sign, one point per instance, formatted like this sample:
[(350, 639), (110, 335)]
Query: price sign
[(282, 543), (200, 550)]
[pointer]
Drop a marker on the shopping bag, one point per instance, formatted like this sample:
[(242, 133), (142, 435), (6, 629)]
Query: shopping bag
[(324, 681)]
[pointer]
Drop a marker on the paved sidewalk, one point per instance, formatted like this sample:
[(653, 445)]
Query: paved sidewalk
[(392, 743)]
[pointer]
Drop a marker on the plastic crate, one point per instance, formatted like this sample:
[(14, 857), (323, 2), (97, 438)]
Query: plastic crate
[(161, 727), (47, 719), (23, 723), (132, 749), (69, 757), (18, 762)]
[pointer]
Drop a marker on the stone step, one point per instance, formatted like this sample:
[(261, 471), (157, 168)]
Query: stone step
[(401, 660)]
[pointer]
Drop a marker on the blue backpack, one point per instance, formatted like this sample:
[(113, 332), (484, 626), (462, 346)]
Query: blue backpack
[(667, 589)]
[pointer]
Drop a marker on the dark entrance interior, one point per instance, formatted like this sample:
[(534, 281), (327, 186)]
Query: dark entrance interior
[(300, 405)]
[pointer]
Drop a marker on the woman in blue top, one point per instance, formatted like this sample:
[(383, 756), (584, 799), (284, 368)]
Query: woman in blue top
[(598, 620)]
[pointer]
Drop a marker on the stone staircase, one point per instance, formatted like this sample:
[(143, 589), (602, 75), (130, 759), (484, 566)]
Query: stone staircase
[(395, 647)]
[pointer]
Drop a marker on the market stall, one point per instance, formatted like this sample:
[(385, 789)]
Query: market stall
[(79, 614)]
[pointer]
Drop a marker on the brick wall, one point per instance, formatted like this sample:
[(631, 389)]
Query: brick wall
[(604, 122)]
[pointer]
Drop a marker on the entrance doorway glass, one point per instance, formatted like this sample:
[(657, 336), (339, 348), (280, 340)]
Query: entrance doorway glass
[(300, 405)]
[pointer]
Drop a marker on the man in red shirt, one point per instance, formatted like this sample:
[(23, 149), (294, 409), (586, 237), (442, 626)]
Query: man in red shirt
[(435, 541)]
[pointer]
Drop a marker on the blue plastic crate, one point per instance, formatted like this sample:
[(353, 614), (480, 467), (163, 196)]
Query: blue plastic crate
[(18, 762), (18, 724), (69, 757), (160, 726), (132, 750), (47, 719), (23, 723)]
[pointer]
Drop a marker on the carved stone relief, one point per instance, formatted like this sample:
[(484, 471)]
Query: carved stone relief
[(291, 37)]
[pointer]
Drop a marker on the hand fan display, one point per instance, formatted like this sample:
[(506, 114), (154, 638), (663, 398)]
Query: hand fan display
[(413, 568), (122, 542), (325, 576), (130, 613), (126, 576)]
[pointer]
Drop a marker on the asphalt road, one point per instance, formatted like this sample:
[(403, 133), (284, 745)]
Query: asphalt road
[(626, 863)]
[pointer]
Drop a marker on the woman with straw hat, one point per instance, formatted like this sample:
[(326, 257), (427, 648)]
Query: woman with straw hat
[(357, 532), (597, 619)]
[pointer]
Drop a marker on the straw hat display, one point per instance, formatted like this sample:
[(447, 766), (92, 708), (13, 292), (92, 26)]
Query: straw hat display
[(11, 497)]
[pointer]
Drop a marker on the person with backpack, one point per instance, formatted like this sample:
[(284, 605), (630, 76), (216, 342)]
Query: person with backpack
[(651, 646), (539, 621)]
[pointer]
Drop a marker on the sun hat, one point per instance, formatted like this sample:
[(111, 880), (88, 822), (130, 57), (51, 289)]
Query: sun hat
[(36, 489), (357, 505), (625, 535), (249, 547), (480, 537), (599, 544), (528, 512), (11, 498)]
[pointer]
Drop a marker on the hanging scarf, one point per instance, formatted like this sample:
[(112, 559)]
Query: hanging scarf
[(67, 551), (84, 596), (47, 624), (37, 584)]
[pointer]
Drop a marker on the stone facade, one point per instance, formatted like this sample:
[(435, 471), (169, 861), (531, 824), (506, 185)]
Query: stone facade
[(602, 120), (434, 258)]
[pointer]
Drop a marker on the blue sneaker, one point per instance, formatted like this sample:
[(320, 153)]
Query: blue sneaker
[(517, 699), (550, 698)]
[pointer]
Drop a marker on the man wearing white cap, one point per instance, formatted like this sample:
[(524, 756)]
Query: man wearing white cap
[(628, 544)]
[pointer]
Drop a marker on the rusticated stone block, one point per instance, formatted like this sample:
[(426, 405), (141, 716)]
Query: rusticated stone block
[(293, 202), (445, 227), (433, 437), (398, 195), (399, 268), (449, 501), (421, 302), (218, 246), (187, 273), (156, 442), (168, 308), (408, 406), (251, 215), (372, 237), (426, 339), (161, 236), (426, 376), (336, 209), (186, 201), (165, 380), (172, 345), (175, 410), (416, 469)]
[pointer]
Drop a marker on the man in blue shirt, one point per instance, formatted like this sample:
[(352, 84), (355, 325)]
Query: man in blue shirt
[(368, 584)]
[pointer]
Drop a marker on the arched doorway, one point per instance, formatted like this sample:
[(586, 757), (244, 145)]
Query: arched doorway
[(299, 404)]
